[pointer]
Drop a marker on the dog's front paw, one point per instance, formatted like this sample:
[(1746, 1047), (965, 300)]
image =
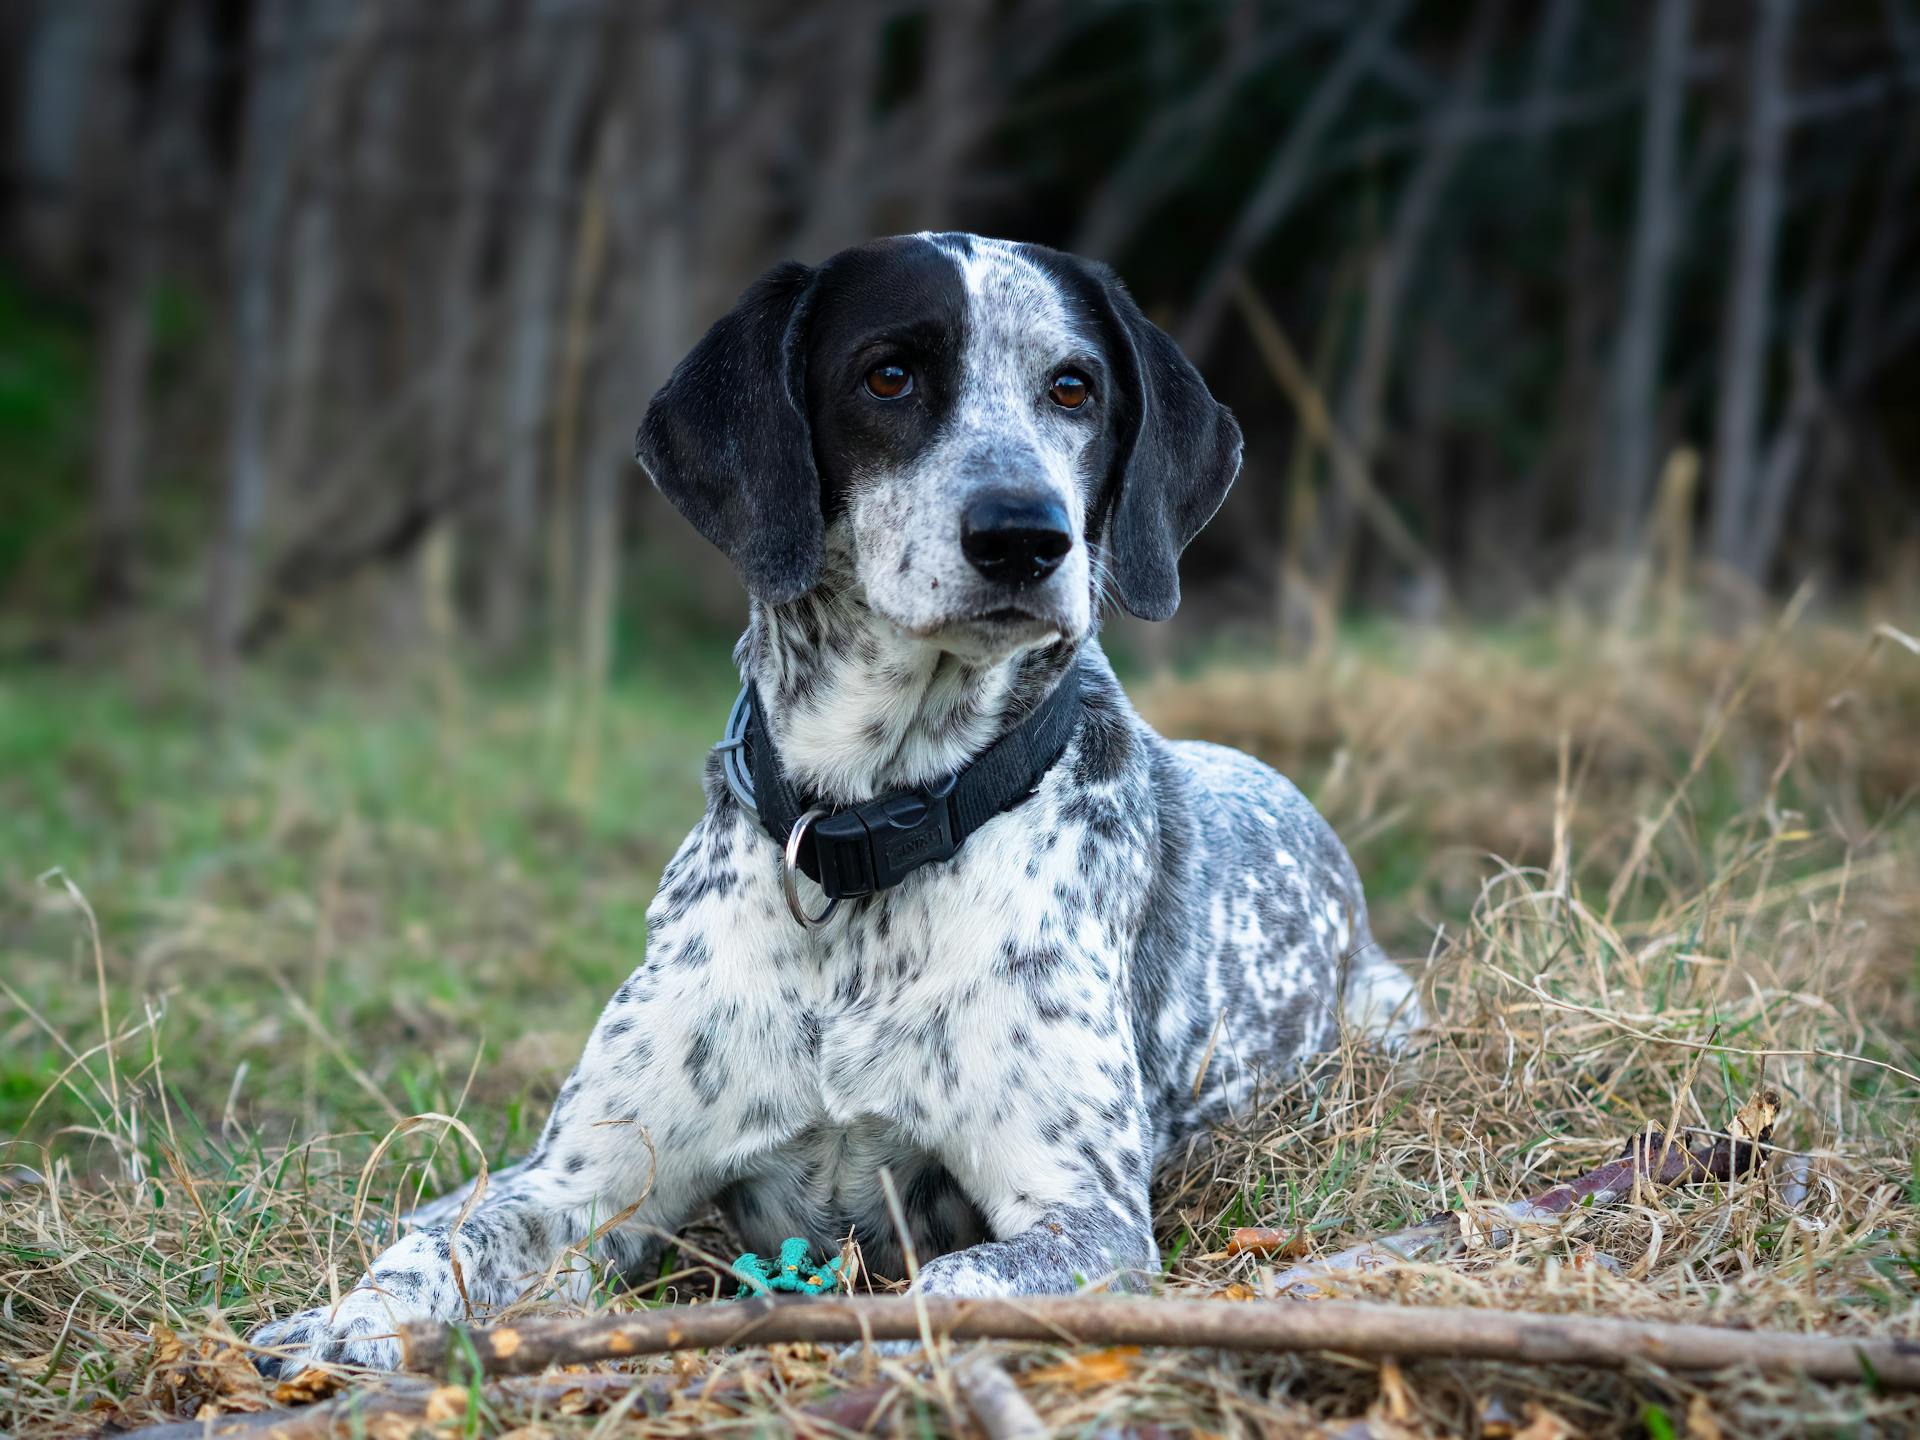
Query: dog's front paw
[(959, 1276), (348, 1334)]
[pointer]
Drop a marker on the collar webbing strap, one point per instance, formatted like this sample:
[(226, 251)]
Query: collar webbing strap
[(869, 847)]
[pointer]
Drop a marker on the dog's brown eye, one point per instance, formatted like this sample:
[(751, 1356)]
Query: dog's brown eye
[(1069, 390), (889, 382)]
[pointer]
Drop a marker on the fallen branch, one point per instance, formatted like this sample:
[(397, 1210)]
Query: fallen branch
[(417, 1402), (1650, 1161), (357, 1411), (996, 1402), (1343, 1326)]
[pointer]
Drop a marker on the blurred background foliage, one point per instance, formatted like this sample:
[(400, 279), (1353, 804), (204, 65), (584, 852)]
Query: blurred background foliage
[(325, 324), (357, 676)]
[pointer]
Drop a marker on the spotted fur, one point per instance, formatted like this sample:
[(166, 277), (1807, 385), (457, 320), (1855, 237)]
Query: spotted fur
[(1017, 1035)]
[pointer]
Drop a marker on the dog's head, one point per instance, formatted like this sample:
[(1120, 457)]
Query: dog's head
[(989, 429)]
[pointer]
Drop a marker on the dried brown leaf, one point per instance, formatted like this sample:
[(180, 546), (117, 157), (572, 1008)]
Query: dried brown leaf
[(1091, 1371), (168, 1349), (1701, 1423), (1261, 1240), (231, 1376), (308, 1386), (1756, 1118), (1545, 1425), (447, 1402)]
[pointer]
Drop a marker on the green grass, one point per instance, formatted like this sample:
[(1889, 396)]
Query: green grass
[(422, 867), (341, 903)]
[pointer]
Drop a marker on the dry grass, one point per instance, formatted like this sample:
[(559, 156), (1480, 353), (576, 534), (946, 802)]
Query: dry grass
[(1712, 882)]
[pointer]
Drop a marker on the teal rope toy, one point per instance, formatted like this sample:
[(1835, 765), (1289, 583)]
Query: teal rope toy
[(793, 1273)]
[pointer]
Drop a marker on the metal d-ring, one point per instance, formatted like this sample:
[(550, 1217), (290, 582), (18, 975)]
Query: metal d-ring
[(789, 875)]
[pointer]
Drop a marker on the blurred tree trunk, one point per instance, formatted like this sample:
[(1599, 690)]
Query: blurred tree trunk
[(454, 457), (952, 105), (1784, 459), (1621, 473), (59, 76), (580, 336), (647, 302), (1552, 42), (841, 194), (274, 97), (1363, 402), (561, 69), (121, 416), (1796, 439), (349, 28), (1174, 140), (1286, 174), (1297, 612), (126, 327), (1749, 307), (1861, 349)]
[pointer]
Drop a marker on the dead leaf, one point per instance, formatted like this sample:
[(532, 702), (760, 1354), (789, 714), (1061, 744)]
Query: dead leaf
[(1260, 1240), (447, 1402), (1757, 1117), (308, 1386), (1239, 1290), (1091, 1371), (231, 1376), (1545, 1425), (1700, 1422), (687, 1364), (1475, 1233), (1589, 1258), (167, 1347)]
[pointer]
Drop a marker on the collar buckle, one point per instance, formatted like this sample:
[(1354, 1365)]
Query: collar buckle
[(872, 846), (875, 846)]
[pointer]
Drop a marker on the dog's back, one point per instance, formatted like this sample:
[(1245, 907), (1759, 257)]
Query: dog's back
[(1254, 949)]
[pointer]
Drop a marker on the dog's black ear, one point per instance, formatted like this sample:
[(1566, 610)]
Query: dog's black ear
[(1178, 453), (727, 439)]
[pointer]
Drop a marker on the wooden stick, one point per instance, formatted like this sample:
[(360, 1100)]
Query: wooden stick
[(1003, 1412), (1650, 1161), (356, 1413), (1346, 1327), (353, 1411)]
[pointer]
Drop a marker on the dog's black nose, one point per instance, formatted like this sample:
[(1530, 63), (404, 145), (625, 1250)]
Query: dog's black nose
[(1015, 537)]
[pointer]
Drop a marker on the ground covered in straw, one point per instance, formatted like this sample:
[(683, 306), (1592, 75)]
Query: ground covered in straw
[(1642, 873)]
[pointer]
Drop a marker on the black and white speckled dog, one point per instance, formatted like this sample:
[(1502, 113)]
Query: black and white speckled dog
[(931, 459)]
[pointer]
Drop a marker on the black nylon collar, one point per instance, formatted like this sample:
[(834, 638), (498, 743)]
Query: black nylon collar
[(865, 848)]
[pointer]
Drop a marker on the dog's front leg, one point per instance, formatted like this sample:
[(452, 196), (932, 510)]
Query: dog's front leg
[(1048, 1138), (627, 1134)]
